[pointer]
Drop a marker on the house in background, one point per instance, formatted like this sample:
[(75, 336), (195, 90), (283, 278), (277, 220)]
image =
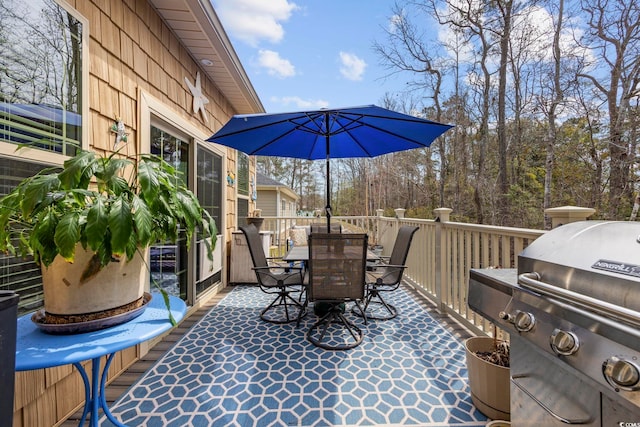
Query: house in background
[(275, 198)]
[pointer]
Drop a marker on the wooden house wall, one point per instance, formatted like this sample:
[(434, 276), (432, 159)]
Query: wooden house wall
[(130, 49)]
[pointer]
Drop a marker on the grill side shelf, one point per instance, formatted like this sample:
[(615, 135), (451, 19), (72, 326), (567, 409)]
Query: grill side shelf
[(490, 291)]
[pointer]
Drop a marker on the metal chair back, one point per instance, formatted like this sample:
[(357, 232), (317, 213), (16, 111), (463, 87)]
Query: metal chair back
[(322, 228), (254, 243), (337, 266), (399, 254), (276, 279)]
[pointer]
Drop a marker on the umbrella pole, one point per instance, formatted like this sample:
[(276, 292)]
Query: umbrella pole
[(327, 208)]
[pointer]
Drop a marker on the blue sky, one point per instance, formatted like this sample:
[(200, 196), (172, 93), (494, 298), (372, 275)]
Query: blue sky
[(304, 54)]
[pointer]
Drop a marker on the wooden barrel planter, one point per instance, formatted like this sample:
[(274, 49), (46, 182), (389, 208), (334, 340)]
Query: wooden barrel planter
[(489, 382)]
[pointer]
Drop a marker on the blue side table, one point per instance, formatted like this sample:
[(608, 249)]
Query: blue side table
[(36, 349)]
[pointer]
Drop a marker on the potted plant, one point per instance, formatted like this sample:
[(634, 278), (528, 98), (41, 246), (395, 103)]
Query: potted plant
[(489, 375), (94, 218)]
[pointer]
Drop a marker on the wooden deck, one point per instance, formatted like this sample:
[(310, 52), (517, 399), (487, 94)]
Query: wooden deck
[(120, 385)]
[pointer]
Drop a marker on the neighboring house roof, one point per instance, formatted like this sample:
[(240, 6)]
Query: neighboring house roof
[(264, 182), (197, 26)]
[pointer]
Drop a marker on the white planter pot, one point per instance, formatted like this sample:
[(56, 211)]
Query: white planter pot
[(117, 284)]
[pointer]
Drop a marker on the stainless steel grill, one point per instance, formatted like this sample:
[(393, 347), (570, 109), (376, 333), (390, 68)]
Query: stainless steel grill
[(572, 309)]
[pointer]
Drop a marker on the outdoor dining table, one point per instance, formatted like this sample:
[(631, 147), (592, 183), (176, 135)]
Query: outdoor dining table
[(36, 349), (301, 254)]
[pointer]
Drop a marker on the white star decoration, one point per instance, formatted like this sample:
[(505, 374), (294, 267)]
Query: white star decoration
[(199, 100)]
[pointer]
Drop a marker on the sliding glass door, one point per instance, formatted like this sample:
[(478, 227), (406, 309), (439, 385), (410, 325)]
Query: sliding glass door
[(169, 261)]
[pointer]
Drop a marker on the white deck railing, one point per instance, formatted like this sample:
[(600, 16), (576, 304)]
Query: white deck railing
[(441, 255)]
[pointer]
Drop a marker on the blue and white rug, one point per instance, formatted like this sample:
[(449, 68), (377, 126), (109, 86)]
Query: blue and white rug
[(232, 369)]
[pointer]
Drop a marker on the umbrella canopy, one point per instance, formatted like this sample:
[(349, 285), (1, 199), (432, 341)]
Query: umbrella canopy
[(366, 131)]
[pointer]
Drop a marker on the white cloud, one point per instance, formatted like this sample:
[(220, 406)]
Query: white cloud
[(454, 41), (394, 22), (352, 67), (254, 20), (299, 103), (275, 65)]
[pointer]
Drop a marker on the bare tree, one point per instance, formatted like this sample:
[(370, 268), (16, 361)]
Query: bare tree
[(614, 35), (407, 49), (505, 8), (556, 99), (468, 18)]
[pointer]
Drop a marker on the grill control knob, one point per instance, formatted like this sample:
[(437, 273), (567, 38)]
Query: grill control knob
[(564, 342), (505, 316), (621, 373), (523, 321)]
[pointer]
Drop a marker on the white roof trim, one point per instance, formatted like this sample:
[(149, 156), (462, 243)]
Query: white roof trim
[(198, 28)]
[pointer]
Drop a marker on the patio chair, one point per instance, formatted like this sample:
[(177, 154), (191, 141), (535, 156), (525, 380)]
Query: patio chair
[(279, 279), (336, 276), (386, 276)]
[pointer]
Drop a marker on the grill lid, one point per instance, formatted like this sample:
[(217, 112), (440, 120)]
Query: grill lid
[(597, 260)]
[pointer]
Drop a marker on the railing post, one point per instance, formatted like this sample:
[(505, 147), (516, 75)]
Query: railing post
[(566, 214), (442, 216), (399, 215), (379, 215)]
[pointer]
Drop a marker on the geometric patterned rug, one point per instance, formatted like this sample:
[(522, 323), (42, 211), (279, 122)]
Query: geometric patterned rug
[(233, 369)]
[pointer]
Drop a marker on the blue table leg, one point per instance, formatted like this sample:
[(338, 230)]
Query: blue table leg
[(94, 393)]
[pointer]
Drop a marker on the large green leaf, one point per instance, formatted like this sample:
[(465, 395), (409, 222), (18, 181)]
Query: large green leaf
[(36, 191), (132, 247), (97, 222), (78, 170), (143, 220), (67, 234), (149, 183), (209, 225), (117, 185), (112, 167), (9, 208), (190, 210), (120, 224), (42, 240)]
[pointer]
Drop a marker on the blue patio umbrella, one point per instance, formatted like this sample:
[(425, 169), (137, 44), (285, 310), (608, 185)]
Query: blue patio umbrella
[(366, 131)]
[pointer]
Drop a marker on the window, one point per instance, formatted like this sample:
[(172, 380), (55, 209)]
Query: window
[(209, 185), (242, 182), (243, 174), (243, 211), (42, 84), (209, 177), (18, 274), (172, 149), (41, 58)]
